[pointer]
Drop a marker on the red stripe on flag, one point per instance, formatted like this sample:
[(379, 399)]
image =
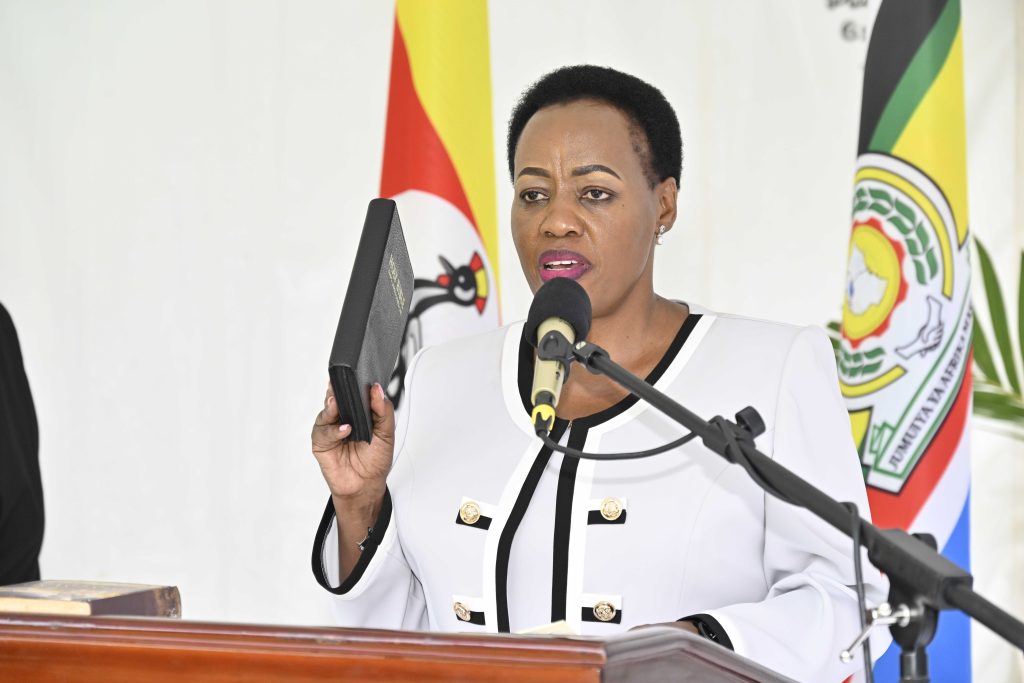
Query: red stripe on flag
[(414, 156), (890, 510)]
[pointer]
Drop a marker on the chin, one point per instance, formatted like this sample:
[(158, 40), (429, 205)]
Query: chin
[(586, 280)]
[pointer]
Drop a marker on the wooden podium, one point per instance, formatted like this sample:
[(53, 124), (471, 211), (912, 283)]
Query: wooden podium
[(128, 650)]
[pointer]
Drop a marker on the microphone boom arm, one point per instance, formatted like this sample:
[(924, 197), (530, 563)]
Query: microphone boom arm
[(923, 576)]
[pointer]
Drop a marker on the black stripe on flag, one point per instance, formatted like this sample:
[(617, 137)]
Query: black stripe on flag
[(900, 28)]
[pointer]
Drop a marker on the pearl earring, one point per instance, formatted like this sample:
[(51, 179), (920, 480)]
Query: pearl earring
[(661, 235)]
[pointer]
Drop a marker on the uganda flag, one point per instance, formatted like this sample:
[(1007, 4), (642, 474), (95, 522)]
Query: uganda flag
[(439, 168), (905, 349)]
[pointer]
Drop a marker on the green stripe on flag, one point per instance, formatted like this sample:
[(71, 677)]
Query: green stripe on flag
[(917, 79)]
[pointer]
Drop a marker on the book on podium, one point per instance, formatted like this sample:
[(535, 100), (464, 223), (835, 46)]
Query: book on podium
[(91, 598)]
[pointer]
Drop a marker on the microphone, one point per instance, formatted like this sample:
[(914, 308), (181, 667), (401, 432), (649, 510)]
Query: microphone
[(560, 315)]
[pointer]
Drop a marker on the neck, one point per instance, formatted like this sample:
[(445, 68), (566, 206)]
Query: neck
[(636, 336), (637, 329)]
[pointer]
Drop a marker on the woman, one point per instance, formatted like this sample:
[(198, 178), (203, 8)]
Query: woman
[(470, 524)]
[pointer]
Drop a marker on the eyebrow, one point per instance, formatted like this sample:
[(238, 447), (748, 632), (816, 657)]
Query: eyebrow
[(578, 171), (594, 168), (533, 170)]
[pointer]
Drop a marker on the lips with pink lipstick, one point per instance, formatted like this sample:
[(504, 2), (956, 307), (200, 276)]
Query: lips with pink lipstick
[(562, 264)]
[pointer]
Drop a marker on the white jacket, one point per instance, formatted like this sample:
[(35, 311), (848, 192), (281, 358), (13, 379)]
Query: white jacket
[(485, 530)]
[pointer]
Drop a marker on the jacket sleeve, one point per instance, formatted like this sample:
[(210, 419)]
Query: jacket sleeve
[(381, 591), (810, 613)]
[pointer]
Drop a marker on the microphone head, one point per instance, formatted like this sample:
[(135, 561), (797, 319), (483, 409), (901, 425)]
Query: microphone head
[(562, 298)]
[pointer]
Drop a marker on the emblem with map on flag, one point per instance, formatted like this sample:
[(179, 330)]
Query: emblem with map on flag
[(904, 353), (906, 317)]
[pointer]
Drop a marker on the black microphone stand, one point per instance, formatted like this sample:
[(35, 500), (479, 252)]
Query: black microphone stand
[(923, 581)]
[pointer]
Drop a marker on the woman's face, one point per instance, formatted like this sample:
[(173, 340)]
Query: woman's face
[(583, 205)]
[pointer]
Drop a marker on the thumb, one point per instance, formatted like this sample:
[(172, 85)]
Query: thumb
[(383, 414)]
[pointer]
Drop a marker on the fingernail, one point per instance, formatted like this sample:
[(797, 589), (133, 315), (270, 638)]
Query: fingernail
[(380, 391), (344, 428)]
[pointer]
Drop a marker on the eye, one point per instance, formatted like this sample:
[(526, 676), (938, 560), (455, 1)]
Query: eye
[(532, 196), (596, 194)]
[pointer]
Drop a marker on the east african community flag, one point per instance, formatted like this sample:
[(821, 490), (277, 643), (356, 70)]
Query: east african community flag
[(439, 168), (905, 351)]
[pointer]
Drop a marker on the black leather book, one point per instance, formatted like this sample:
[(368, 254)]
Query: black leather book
[(373, 317)]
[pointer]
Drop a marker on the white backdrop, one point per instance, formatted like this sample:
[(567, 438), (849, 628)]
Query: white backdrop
[(182, 182)]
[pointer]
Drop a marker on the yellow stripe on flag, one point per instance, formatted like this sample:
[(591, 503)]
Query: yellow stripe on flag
[(449, 55), (935, 138)]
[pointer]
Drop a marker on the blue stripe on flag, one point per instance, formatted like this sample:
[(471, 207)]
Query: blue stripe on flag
[(949, 655)]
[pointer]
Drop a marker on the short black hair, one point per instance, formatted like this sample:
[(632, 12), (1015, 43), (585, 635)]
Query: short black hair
[(655, 132)]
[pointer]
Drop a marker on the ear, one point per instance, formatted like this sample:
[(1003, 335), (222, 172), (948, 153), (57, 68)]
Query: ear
[(667, 194)]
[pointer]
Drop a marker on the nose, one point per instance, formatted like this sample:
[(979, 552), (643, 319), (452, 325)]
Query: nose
[(562, 218)]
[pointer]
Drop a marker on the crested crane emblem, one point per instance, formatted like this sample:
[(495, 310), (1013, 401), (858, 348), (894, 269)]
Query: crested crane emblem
[(463, 286)]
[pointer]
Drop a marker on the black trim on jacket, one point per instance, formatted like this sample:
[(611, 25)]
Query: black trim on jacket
[(563, 525), (515, 517), (588, 615), (567, 476), (709, 628), (483, 522), (369, 546), (525, 374), (595, 517)]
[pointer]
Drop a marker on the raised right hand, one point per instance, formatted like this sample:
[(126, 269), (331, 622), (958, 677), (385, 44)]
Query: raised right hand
[(355, 470)]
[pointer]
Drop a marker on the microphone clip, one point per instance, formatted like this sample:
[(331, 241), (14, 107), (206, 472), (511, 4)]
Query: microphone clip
[(554, 346)]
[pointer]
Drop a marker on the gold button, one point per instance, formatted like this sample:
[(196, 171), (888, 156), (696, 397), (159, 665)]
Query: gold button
[(462, 612), (469, 512), (611, 508), (604, 611)]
